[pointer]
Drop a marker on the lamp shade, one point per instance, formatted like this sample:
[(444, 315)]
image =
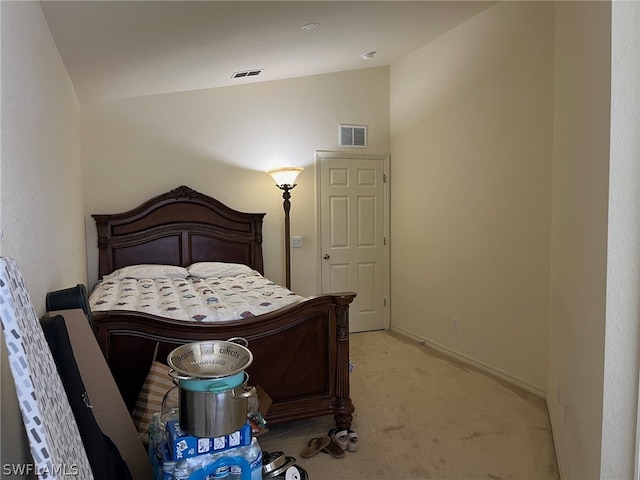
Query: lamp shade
[(285, 175)]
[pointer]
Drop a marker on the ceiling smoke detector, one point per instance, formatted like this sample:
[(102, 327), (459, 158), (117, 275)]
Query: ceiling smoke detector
[(367, 56)]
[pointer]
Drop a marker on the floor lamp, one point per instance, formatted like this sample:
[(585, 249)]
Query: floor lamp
[(285, 178)]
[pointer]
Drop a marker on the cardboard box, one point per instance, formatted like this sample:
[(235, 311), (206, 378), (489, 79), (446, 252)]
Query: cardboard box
[(108, 406), (182, 445)]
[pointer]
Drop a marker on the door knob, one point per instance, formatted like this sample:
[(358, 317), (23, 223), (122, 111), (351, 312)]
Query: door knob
[(326, 256)]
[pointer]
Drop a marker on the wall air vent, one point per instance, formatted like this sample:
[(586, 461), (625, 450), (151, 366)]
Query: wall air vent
[(247, 73), (352, 136)]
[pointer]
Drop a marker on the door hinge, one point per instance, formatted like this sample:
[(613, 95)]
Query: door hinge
[(385, 302), (384, 178), (384, 240)]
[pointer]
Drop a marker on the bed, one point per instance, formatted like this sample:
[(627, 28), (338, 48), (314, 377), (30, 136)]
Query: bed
[(301, 351)]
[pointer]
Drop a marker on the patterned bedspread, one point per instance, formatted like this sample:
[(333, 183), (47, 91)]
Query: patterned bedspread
[(193, 298)]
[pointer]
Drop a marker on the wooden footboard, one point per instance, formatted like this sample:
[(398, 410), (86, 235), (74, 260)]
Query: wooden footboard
[(301, 353)]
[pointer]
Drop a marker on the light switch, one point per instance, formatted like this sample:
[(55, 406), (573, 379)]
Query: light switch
[(296, 241)]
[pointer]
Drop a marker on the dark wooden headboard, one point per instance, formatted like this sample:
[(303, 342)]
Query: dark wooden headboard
[(180, 227)]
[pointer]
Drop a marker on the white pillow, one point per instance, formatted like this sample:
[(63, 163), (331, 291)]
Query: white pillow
[(148, 271), (218, 269)]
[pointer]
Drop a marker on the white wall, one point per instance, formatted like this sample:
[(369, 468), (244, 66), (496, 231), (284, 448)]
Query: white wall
[(220, 142), (579, 234), (41, 209), (622, 354), (471, 143)]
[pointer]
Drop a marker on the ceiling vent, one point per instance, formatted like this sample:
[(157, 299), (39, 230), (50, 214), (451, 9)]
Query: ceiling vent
[(247, 73), (352, 136)]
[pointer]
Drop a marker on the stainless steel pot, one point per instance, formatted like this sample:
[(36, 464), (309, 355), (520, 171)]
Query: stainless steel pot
[(208, 414)]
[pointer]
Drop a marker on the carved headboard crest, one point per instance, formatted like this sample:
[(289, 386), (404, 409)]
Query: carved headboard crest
[(184, 192)]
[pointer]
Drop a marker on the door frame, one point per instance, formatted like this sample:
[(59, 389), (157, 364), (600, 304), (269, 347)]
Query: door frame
[(321, 155)]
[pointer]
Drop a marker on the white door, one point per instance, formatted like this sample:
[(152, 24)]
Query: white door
[(353, 226)]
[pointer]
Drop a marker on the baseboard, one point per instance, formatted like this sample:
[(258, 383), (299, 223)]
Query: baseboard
[(553, 421), (494, 372)]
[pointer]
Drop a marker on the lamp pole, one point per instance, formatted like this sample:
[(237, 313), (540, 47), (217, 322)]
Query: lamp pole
[(287, 231), (285, 178)]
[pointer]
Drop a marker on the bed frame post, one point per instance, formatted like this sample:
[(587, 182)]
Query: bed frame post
[(344, 405), (104, 254)]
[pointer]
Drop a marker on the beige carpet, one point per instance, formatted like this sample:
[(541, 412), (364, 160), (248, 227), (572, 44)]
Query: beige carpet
[(421, 416)]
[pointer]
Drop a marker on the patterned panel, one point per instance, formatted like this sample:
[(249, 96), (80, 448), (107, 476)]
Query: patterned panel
[(53, 434)]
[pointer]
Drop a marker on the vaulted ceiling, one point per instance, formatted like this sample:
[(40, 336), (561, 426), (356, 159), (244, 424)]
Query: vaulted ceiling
[(120, 49)]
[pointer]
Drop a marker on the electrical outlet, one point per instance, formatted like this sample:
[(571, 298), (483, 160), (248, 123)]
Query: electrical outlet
[(456, 324), (296, 241)]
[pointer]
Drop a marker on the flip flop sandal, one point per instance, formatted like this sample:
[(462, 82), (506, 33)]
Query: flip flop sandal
[(315, 445), (334, 450), (340, 438), (353, 441)]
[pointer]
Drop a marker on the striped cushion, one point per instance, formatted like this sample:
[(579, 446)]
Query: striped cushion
[(156, 385)]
